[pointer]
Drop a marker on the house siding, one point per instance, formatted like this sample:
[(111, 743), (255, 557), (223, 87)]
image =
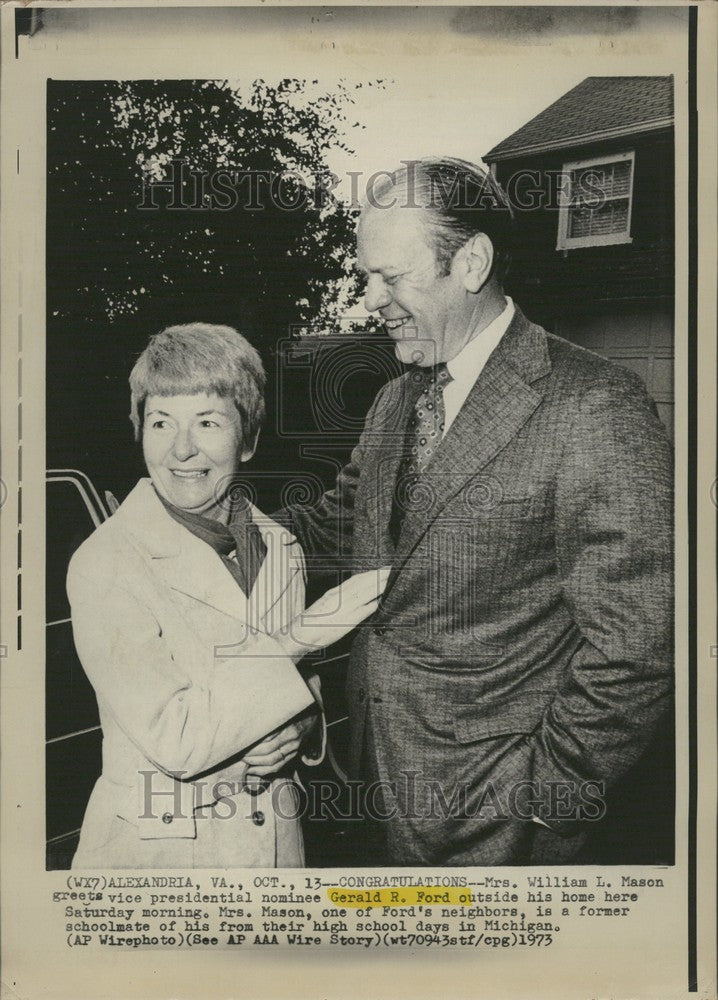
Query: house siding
[(618, 299)]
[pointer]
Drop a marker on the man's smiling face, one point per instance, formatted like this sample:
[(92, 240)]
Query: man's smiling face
[(426, 314)]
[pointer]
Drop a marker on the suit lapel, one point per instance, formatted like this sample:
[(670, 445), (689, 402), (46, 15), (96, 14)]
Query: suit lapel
[(384, 453), (499, 404)]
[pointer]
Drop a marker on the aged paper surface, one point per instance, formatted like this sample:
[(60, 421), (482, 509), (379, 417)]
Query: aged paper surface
[(82, 86)]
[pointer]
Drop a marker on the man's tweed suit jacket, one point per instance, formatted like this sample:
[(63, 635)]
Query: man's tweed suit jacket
[(522, 656)]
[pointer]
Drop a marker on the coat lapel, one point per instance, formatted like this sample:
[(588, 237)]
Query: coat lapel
[(197, 571), (499, 404), (191, 567), (278, 593)]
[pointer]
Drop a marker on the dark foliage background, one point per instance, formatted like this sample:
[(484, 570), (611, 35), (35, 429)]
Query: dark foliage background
[(117, 273)]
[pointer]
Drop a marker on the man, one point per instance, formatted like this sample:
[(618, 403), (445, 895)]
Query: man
[(520, 487)]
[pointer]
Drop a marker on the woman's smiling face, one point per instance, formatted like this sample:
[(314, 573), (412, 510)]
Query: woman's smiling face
[(192, 446)]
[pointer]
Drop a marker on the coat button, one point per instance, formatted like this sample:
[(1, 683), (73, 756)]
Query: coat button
[(380, 630), (167, 817), (258, 818), (361, 695)]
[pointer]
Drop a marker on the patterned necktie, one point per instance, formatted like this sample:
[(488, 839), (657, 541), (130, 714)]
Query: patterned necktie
[(423, 436)]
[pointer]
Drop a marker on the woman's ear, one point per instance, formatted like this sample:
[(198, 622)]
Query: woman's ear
[(249, 450), (479, 262)]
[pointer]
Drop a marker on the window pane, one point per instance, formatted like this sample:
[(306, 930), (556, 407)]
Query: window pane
[(604, 180), (621, 179), (612, 217)]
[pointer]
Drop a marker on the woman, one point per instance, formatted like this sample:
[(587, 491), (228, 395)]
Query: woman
[(187, 615)]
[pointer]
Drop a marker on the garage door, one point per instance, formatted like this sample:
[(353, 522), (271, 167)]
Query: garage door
[(638, 337)]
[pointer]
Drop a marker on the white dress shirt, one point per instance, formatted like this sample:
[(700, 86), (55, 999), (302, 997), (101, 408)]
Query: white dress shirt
[(468, 364)]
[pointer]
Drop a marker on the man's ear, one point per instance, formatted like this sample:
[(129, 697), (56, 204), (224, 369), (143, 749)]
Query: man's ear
[(479, 260), (249, 450)]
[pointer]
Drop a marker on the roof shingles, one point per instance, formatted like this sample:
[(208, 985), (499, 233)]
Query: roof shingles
[(597, 105)]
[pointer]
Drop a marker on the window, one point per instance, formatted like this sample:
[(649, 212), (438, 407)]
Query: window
[(596, 204)]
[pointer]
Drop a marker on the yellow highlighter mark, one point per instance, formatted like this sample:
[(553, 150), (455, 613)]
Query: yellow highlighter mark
[(411, 895)]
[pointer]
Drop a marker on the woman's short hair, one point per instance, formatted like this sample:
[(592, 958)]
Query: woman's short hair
[(201, 357)]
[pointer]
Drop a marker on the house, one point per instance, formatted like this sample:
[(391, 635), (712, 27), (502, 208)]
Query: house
[(591, 180)]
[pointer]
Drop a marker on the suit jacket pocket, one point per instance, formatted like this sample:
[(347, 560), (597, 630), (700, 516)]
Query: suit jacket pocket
[(518, 715), (532, 505)]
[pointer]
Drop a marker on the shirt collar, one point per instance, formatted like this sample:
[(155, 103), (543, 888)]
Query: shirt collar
[(469, 362)]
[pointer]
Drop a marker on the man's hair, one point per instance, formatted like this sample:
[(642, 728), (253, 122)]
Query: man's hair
[(460, 199), (201, 357)]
